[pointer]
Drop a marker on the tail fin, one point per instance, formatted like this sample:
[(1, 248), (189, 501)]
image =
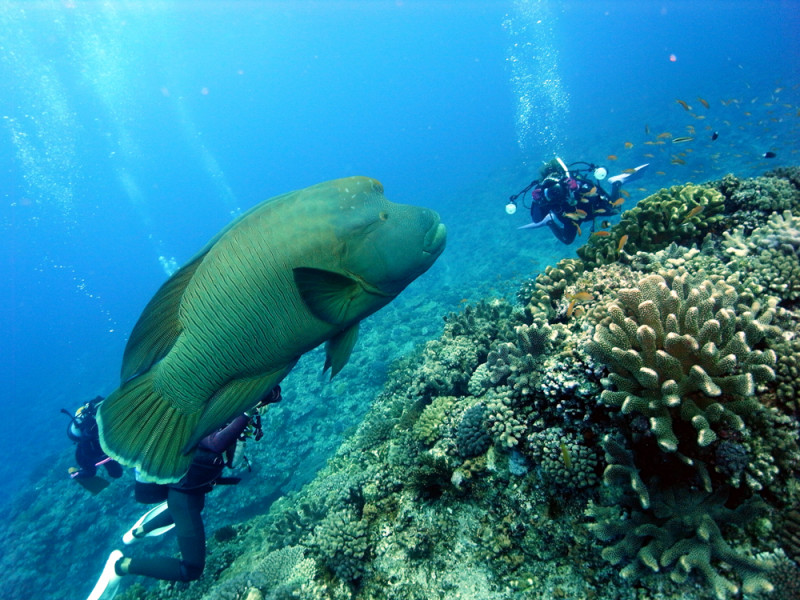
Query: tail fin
[(139, 428)]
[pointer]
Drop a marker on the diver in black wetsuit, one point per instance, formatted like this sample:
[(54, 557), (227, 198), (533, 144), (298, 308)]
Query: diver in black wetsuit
[(565, 197), (180, 506)]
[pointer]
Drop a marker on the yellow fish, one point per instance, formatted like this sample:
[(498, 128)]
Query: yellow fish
[(294, 272)]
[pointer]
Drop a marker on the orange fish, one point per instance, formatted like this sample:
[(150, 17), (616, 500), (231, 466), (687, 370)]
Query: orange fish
[(582, 213), (580, 233), (601, 233), (612, 157), (582, 296), (660, 173), (570, 308), (629, 171), (683, 104), (591, 192), (622, 241), (574, 216), (624, 193), (661, 136), (695, 211), (677, 161), (628, 145), (703, 102)]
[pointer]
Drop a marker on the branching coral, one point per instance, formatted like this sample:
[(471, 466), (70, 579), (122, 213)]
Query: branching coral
[(683, 353), (682, 214), (681, 533)]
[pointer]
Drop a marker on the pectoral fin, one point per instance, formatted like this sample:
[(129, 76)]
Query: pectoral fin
[(331, 297), (338, 349)]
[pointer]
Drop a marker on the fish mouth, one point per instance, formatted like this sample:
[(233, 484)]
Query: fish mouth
[(435, 239)]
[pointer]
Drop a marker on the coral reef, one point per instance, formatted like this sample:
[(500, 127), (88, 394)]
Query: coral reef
[(682, 214), (681, 351), (627, 429)]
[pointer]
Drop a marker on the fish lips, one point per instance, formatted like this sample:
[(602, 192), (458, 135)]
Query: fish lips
[(435, 239)]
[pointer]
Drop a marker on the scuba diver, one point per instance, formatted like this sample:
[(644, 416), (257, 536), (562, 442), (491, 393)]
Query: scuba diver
[(180, 506), (565, 197), (89, 455)]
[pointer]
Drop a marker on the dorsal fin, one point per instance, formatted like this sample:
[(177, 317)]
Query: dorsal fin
[(158, 327)]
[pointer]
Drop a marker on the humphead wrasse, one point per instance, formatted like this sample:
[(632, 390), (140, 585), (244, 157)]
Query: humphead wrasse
[(295, 271)]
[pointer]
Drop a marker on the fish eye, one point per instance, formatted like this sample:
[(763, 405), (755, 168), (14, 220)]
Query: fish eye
[(383, 215)]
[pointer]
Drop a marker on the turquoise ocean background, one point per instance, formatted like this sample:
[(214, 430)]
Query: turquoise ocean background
[(132, 131)]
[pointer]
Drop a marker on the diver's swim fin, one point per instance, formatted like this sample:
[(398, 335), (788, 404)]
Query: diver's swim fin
[(108, 584), (94, 484), (628, 177), (129, 538), (541, 223)]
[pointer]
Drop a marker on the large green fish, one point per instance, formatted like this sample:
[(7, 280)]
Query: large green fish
[(293, 272)]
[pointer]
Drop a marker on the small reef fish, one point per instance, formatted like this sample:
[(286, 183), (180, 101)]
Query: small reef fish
[(591, 192), (682, 139), (601, 233), (677, 161), (578, 227), (629, 171), (664, 135), (582, 213), (646, 129), (575, 216), (605, 224), (624, 193), (581, 296), (769, 155), (714, 136), (612, 157), (648, 155), (692, 213), (628, 145), (684, 104), (570, 308), (660, 173), (618, 202), (703, 102), (622, 241)]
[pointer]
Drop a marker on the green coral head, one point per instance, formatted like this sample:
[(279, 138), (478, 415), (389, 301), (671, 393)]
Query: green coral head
[(682, 214)]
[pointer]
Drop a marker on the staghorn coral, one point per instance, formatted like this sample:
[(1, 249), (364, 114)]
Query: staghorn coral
[(682, 214), (683, 353)]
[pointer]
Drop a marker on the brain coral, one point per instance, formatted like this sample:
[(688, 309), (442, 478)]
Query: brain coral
[(683, 353), (682, 213)]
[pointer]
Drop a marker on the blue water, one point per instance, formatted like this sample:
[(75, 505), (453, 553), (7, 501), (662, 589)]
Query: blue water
[(133, 131)]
